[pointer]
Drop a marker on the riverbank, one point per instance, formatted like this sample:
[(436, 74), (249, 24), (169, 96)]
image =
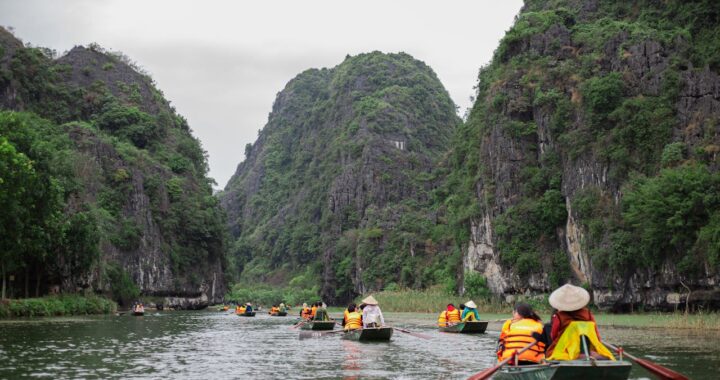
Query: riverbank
[(56, 306)]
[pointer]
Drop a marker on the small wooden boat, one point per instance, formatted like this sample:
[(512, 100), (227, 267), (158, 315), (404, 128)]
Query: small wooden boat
[(246, 314), (278, 314), (566, 370), (318, 325), (138, 313), (470, 327), (369, 334)]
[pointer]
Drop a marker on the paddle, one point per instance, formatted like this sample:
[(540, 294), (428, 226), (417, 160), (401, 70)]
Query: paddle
[(658, 370), (489, 372), (417, 335), (317, 334)]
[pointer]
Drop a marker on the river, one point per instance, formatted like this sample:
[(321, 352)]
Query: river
[(219, 345)]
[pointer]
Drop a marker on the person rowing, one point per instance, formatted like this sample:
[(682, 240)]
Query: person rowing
[(321, 313), (372, 315), (524, 328), (573, 330), (470, 313)]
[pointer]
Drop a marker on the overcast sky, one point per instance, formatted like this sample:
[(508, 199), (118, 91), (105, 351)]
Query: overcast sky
[(221, 63)]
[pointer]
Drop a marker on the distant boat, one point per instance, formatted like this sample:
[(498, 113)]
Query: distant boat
[(369, 334), (246, 314), (470, 327), (278, 314)]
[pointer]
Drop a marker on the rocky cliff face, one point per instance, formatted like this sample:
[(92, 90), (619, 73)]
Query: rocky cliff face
[(142, 175), (584, 103), (342, 166)]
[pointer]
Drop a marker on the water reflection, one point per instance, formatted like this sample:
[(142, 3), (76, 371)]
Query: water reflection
[(204, 345)]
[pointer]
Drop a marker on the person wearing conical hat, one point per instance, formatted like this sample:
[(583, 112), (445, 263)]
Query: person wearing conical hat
[(470, 312), (571, 320), (372, 315)]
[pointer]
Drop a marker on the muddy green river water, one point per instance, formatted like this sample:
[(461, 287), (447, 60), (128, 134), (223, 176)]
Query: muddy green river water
[(218, 345)]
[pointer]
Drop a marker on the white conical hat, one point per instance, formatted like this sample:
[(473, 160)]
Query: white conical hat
[(470, 304), (569, 298), (370, 300)]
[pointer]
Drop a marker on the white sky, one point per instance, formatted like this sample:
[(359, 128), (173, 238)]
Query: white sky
[(221, 63)]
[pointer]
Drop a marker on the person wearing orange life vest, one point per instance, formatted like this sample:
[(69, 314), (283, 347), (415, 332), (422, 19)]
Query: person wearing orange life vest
[(449, 317), (305, 312), (524, 328), (346, 312), (354, 319), (274, 309), (313, 310)]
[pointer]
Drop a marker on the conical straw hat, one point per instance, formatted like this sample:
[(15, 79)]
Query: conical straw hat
[(569, 298), (370, 301), (470, 304)]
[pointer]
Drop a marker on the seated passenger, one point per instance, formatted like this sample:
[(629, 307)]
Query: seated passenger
[(573, 330), (470, 313), (524, 328), (354, 319)]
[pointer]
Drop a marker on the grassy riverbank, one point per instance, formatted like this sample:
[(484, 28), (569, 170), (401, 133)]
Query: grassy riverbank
[(56, 306)]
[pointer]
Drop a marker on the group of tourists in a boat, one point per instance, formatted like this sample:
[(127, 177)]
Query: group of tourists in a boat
[(560, 338), (467, 312), (365, 315)]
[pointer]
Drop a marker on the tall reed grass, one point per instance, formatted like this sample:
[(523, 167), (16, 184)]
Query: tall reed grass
[(56, 305)]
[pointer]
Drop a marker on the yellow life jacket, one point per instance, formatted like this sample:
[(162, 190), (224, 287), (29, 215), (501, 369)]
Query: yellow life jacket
[(442, 320), (569, 345), (453, 316), (345, 316), (240, 310), (515, 336), (469, 317), (354, 321)]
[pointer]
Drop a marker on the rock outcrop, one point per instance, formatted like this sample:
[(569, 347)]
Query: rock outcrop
[(347, 153), (582, 97), (142, 174)]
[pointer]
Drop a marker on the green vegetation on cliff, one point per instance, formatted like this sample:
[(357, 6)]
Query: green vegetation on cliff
[(336, 191), (604, 113), (101, 182)]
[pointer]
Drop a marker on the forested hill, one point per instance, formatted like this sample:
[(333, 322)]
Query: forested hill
[(103, 185), (591, 154), (336, 191)]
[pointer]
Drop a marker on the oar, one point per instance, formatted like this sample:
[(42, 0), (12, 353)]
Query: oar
[(659, 371), (417, 335), (489, 372), (299, 324), (317, 334)]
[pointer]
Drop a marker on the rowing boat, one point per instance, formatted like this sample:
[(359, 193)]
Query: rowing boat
[(470, 327), (566, 370), (138, 313), (318, 325), (246, 314), (278, 314), (369, 334)]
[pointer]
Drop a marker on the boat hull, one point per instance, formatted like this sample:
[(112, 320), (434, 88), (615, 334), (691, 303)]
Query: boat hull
[(369, 334), (250, 314), (566, 370), (278, 314), (318, 325), (475, 327), (138, 313)]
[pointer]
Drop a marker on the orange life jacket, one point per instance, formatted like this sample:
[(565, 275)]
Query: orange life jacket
[(306, 313), (514, 336), (453, 316), (345, 318), (274, 310), (312, 313), (354, 321)]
